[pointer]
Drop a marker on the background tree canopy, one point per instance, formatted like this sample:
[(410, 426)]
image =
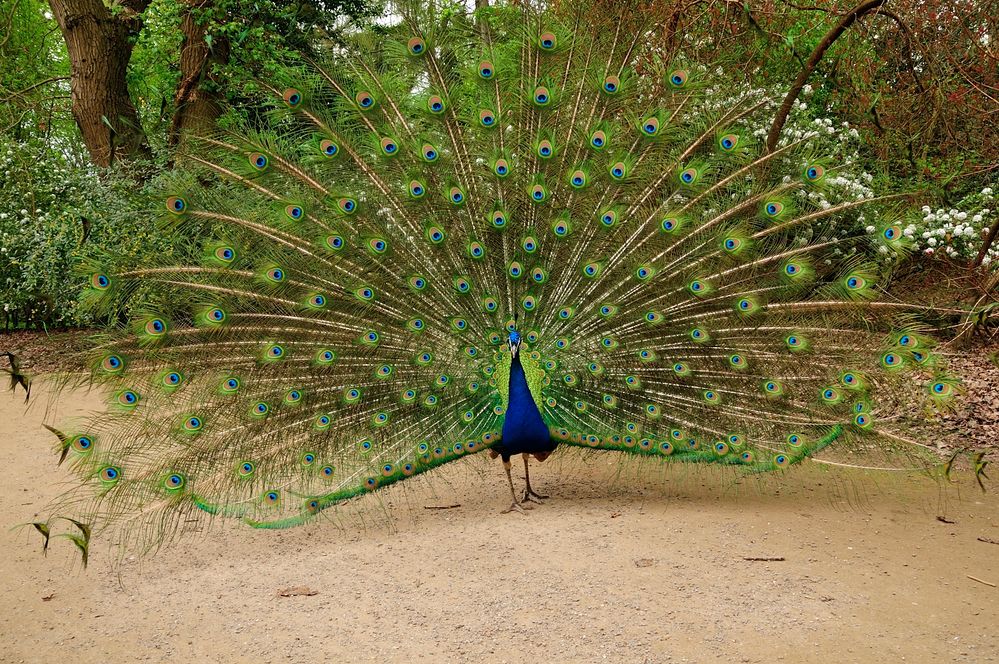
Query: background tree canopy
[(98, 97)]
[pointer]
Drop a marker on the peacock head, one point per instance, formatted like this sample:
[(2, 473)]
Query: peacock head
[(514, 340)]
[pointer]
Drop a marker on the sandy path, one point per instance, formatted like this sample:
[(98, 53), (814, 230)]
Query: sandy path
[(640, 570)]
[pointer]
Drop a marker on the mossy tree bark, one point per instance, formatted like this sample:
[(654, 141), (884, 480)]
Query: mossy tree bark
[(197, 101), (100, 42)]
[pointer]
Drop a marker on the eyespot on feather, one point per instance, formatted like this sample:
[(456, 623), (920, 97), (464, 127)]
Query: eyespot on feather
[(728, 142), (328, 148), (416, 46), (814, 172), (292, 98), (435, 104), (259, 161), (100, 281), (388, 146), (176, 205)]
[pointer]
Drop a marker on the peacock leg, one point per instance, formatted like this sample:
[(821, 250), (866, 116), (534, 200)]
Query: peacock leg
[(529, 494), (516, 503)]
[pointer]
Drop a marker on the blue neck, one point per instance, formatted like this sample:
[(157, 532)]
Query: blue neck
[(524, 430)]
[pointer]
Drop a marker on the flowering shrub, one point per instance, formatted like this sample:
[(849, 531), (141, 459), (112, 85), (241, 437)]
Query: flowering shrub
[(45, 196), (957, 232), (834, 143)]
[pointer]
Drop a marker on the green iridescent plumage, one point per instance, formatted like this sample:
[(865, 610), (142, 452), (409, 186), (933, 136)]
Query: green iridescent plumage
[(358, 258)]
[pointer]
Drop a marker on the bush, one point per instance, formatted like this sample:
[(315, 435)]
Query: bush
[(958, 232), (46, 198)]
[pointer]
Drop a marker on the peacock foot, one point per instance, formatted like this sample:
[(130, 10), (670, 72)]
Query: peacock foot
[(518, 507), (531, 497)]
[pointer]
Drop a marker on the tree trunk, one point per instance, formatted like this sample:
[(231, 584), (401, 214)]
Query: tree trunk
[(197, 105), (100, 45)]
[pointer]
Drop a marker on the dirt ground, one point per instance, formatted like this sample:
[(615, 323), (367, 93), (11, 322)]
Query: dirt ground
[(645, 567)]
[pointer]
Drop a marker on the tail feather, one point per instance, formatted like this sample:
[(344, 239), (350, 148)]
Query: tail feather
[(349, 265)]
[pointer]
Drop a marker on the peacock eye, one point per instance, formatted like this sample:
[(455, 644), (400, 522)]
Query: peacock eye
[(814, 172), (416, 46), (329, 148), (258, 161), (176, 205)]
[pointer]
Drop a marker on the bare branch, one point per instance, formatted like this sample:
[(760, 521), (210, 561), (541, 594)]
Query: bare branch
[(39, 84)]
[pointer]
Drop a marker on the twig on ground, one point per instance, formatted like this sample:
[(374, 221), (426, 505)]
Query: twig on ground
[(975, 578)]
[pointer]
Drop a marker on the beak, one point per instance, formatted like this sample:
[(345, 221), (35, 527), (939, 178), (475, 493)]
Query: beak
[(514, 348)]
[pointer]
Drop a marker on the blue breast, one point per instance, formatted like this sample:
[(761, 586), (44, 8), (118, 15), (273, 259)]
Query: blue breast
[(523, 428)]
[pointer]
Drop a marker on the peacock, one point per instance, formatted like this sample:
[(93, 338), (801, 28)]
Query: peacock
[(517, 231)]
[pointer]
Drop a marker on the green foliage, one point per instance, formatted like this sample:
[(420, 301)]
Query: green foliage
[(45, 197), (48, 185), (245, 38), (33, 64)]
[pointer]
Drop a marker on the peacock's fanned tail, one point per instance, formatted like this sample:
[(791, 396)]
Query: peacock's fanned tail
[(348, 266)]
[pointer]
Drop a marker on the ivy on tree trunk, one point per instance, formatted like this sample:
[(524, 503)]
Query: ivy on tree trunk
[(198, 105), (100, 41)]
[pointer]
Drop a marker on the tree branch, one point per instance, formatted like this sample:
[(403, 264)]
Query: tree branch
[(987, 243), (9, 30), (848, 19), (32, 87)]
